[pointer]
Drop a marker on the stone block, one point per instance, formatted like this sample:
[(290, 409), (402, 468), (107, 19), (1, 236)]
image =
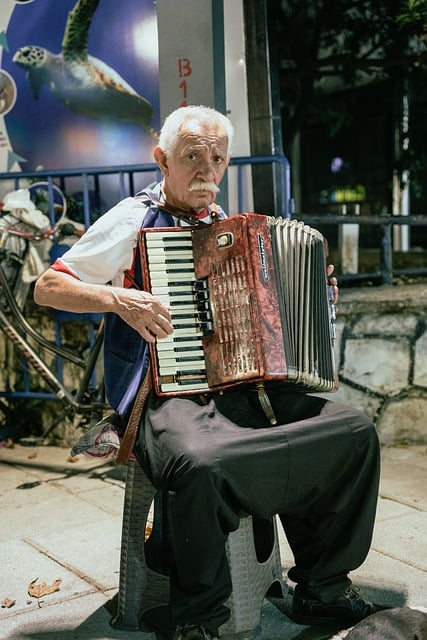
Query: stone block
[(420, 361), (356, 398), (381, 365), (403, 420), (386, 324)]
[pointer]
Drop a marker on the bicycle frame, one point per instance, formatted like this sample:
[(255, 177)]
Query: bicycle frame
[(84, 401), (28, 329)]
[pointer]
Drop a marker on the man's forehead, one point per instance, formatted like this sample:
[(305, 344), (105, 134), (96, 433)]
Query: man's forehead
[(196, 132)]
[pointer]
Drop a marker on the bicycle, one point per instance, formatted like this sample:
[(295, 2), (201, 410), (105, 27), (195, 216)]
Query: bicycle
[(87, 402)]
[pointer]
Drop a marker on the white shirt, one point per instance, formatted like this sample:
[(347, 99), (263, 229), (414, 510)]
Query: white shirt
[(107, 248)]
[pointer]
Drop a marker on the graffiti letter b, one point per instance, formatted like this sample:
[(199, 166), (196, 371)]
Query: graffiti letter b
[(184, 67)]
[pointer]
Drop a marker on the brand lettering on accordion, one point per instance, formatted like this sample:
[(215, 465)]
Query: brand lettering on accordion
[(263, 257)]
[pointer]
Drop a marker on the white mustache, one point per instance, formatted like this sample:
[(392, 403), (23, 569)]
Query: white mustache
[(204, 186)]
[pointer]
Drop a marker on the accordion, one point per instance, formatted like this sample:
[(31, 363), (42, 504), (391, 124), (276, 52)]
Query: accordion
[(249, 301)]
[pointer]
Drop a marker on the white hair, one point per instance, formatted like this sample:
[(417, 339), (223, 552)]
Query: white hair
[(173, 123)]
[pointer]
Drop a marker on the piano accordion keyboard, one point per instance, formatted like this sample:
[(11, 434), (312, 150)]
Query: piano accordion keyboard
[(180, 357)]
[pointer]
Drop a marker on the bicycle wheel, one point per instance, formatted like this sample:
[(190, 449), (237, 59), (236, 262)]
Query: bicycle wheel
[(50, 200)]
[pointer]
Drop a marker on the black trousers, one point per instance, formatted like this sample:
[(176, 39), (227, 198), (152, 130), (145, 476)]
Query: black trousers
[(318, 469)]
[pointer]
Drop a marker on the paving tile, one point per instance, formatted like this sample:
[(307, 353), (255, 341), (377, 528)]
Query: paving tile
[(389, 509), (386, 580), (80, 618), (107, 497), (63, 520), (19, 488), (404, 475), (91, 549), (21, 565), (41, 516), (404, 539)]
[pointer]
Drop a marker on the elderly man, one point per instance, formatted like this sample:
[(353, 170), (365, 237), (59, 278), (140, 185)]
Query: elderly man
[(318, 468)]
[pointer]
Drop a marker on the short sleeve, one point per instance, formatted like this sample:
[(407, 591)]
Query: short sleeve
[(106, 250)]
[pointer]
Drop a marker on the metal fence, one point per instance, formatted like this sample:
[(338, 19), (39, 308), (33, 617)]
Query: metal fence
[(91, 185), (385, 222)]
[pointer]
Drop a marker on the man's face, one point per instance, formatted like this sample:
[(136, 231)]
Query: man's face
[(196, 166)]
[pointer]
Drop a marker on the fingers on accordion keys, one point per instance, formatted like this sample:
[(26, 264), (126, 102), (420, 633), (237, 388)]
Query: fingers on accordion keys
[(332, 312)]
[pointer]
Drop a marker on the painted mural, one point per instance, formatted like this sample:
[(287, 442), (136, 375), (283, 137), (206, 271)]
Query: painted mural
[(78, 83)]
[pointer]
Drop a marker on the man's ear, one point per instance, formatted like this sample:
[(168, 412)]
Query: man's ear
[(161, 159)]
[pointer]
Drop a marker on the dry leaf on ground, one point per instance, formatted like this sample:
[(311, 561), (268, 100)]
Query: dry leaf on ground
[(40, 590), (7, 603)]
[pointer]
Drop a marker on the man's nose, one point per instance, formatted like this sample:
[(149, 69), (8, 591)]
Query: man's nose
[(207, 168)]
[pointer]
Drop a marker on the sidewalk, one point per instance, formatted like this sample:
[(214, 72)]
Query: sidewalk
[(61, 520)]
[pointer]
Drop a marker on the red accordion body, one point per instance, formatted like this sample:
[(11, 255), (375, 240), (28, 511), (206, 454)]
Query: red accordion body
[(248, 300)]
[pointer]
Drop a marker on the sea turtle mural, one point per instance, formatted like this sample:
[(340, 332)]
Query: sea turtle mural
[(82, 82)]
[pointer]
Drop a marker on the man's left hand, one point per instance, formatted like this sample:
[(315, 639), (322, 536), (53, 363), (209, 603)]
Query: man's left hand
[(333, 282)]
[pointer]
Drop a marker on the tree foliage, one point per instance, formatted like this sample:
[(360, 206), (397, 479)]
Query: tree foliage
[(326, 47), (414, 12)]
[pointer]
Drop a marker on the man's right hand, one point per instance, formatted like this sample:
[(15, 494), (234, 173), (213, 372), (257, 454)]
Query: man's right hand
[(139, 309), (143, 312)]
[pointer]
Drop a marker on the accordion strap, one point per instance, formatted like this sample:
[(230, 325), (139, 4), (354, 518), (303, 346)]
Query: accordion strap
[(129, 436), (265, 403), (176, 212)]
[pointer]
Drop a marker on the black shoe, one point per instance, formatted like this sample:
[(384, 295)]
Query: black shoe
[(350, 608), (192, 632)]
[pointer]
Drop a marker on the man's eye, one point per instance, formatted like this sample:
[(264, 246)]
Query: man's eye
[(192, 156), (217, 159)]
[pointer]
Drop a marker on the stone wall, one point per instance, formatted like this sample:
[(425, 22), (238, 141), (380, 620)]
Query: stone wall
[(381, 353)]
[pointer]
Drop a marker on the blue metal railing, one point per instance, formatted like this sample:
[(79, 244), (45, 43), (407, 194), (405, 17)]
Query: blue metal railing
[(283, 187), (126, 174), (386, 272), (126, 178)]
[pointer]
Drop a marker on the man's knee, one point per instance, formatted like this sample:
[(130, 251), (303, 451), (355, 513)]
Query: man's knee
[(196, 464), (363, 427)]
